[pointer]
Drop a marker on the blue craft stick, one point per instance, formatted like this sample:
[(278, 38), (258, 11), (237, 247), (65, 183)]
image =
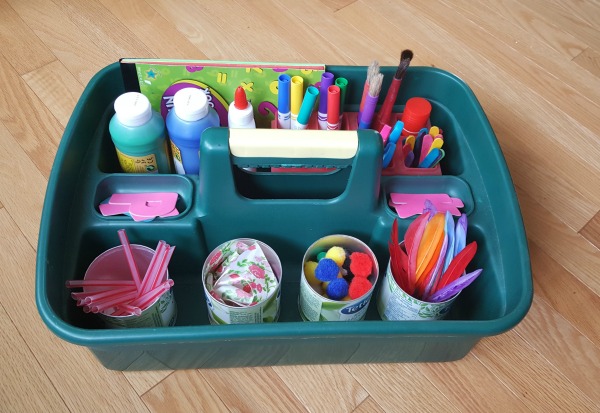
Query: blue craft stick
[(417, 150), (396, 132), (430, 158), (388, 154)]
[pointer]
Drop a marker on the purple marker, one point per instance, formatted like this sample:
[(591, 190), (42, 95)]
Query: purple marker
[(326, 81)]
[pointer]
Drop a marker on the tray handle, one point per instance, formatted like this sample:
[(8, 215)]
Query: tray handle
[(222, 150)]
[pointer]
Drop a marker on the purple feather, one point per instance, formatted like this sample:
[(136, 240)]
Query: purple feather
[(454, 287)]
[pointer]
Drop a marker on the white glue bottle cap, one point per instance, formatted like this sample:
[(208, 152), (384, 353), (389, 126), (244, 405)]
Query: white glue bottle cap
[(241, 114), (190, 104), (133, 109)]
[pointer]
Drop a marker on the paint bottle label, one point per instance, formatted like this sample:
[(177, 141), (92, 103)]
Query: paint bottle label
[(177, 161), (138, 164)]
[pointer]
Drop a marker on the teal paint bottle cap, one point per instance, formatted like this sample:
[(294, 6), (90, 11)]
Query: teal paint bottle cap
[(133, 109)]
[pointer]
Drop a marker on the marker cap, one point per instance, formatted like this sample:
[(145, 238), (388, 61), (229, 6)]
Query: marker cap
[(133, 109), (190, 104)]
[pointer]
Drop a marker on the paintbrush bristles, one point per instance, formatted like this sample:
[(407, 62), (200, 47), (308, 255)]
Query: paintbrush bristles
[(373, 70), (405, 58), (375, 85)]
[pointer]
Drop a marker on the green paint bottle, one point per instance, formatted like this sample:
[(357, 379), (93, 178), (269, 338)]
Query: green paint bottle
[(139, 135)]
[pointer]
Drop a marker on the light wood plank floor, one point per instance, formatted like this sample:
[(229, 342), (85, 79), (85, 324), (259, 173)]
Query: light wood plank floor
[(533, 64)]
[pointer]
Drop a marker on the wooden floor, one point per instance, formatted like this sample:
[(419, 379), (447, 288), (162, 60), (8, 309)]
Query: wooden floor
[(533, 64)]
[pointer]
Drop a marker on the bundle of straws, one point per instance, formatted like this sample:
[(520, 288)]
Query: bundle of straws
[(127, 297), (432, 265)]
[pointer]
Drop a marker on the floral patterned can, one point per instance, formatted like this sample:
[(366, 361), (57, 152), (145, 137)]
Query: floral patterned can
[(242, 283)]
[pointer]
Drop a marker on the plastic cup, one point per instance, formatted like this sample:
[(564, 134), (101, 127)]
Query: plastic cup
[(112, 265), (395, 304), (315, 307), (265, 311)]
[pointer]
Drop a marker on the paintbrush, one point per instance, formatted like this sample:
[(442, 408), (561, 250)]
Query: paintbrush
[(385, 113), (371, 72), (371, 102)]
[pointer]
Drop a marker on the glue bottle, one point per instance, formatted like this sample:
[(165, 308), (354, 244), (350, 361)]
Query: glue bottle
[(138, 134), (190, 116), (241, 114)]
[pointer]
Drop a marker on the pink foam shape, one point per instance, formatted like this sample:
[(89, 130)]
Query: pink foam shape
[(146, 204), (407, 205)]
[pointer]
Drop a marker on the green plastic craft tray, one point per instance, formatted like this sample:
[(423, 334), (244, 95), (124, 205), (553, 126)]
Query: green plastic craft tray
[(288, 212)]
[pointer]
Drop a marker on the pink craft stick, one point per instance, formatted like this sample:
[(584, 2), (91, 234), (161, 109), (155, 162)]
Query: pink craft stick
[(426, 145), (135, 274), (157, 258), (120, 299), (99, 283)]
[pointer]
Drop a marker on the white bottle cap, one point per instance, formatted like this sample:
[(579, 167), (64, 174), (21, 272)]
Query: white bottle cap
[(133, 109), (190, 104)]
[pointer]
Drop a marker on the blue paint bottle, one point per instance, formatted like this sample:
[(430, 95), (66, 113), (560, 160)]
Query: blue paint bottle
[(189, 117)]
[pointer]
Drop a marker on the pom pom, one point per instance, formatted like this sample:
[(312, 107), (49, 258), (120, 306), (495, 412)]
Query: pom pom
[(309, 273), (337, 254), (359, 287), (327, 270), (360, 264), (337, 289), (321, 255)]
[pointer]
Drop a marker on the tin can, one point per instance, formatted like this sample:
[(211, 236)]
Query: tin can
[(393, 303), (264, 311), (112, 265), (314, 306)]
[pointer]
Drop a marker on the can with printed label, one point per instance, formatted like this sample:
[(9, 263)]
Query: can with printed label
[(316, 307)]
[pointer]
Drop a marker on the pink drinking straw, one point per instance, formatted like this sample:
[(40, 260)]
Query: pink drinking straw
[(119, 299), (127, 309), (146, 299), (162, 272), (90, 298), (99, 283), (130, 261), (146, 286)]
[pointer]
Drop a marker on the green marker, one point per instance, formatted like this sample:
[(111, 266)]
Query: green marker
[(342, 83)]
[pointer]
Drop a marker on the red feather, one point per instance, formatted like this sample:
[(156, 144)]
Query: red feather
[(458, 265)]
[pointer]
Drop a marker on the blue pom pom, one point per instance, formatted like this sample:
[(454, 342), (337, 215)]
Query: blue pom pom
[(337, 289), (327, 270)]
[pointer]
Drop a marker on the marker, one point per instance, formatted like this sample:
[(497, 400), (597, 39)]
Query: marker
[(333, 107), (310, 98), (283, 102), (241, 114), (342, 83), (297, 91), (326, 81)]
